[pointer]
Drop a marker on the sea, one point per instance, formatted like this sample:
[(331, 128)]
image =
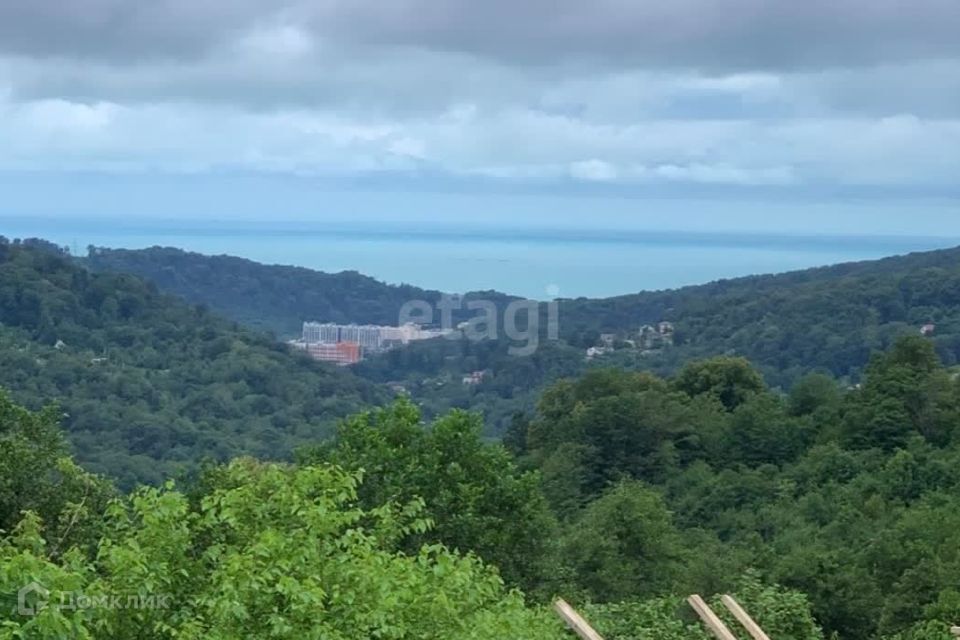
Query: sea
[(538, 263)]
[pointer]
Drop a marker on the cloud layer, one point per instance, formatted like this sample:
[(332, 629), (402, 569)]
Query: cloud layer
[(614, 92)]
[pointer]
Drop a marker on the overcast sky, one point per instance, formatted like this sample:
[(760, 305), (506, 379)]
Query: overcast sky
[(597, 110)]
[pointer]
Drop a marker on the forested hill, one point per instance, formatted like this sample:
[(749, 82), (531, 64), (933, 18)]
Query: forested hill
[(150, 383), (276, 298), (830, 318), (824, 319)]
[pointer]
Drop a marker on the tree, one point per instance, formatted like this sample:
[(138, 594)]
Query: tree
[(272, 552), (150, 385), (759, 431), (624, 546), (811, 393), (476, 498), (730, 380), (906, 391), (37, 475)]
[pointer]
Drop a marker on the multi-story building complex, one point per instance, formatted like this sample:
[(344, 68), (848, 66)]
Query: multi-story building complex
[(317, 337)]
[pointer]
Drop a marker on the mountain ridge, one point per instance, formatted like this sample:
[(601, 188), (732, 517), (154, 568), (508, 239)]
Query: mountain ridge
[(830, 319)]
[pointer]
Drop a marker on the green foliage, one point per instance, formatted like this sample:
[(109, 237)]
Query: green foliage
[(624, 546), (432, 372), (782, 613), (475, 497), (845, 496), (665, 618), (731, 381), (37, 475), (150, 385), (274, 552), (615, 425), (628, 490), (760, 431), (927, 630), (906, 391), (828, 320), (812, 393)]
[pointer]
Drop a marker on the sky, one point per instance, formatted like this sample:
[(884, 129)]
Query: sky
[(828, 116)]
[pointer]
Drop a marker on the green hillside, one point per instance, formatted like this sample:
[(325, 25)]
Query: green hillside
[(275, 298), (830, 513), (828, 319), (829, 509), (150, 384)]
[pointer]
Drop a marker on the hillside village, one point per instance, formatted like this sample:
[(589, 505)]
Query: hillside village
[(647, 340)]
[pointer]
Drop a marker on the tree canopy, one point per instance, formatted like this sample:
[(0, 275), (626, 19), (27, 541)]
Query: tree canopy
[(151, 385), (628, 494)]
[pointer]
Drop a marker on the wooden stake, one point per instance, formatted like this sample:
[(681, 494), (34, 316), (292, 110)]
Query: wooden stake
[(575, 621), (710, 619), (744, 618)]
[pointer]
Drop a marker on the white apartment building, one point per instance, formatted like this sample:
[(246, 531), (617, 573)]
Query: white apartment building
[(366, 335), (321, 333), (370, 337)]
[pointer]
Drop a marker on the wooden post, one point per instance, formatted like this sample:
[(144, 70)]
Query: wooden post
[(575, 621), (710, 619), (955, 631), (744, 618)]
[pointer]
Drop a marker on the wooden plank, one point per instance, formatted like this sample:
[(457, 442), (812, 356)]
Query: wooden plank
[(575, 621), (710, 619), (744, 618)]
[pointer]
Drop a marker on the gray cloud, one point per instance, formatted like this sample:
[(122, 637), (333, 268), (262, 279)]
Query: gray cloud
[(365, 81), (700, 34), (747, 92), (122, 31), (606, 58), (704, 34)]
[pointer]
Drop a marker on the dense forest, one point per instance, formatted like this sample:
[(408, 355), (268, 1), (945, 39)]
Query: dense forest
[(149, 384), (274, 298), (828, 506), (821, 320), (827, 320), (829, 512)]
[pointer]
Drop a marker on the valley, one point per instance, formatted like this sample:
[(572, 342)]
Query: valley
[(778, 437)]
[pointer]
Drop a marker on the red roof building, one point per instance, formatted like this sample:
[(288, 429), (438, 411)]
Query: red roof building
[(341, 353)]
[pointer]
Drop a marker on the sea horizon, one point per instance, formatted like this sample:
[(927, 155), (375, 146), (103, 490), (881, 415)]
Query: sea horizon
[(530, 261)]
